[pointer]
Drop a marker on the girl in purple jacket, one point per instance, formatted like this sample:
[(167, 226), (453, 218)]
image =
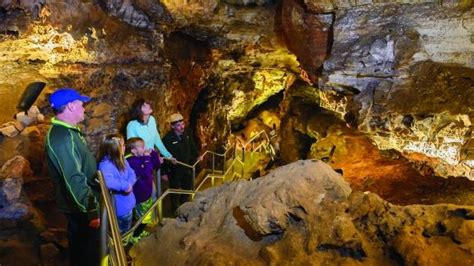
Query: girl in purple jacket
[(119, 177)]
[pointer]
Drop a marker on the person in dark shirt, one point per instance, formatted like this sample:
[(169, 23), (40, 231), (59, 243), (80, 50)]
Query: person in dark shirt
[(180, 143)]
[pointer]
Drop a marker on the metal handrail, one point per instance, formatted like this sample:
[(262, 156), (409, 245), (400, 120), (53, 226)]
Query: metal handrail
[(119, 256), (112, 222), (176, 191), (263, 132), (238, 143), (212, 177), (153, 206), (236, 160), (180, 191)]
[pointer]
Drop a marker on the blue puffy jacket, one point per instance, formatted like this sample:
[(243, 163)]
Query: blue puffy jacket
[(119, 182)]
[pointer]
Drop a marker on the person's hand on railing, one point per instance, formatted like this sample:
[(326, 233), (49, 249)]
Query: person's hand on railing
[(147, 152), (95, 223), (129, 190), (200, 158), (164, 178), (173, 160)]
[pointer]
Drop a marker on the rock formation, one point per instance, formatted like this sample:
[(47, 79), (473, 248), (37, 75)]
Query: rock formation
[(305, 213), (369, 63), (380, 55), (380, 91)]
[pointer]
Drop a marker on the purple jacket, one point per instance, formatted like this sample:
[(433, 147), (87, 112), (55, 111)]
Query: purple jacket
[(144, 167), (119, 182)]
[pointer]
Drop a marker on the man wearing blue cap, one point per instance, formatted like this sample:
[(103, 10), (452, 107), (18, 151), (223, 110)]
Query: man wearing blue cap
[(73, 170)]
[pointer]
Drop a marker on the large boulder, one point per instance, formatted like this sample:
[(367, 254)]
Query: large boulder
[(16, 167), (16, 211), (246, 216), (305, 213), (14, 205), (12, 176), (10, 191)]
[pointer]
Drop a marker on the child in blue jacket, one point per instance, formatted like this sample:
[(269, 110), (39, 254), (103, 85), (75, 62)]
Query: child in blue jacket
[(119, 177)]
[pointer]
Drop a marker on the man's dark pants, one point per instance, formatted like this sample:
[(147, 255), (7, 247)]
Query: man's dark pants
[(83, 241), (181, 178)]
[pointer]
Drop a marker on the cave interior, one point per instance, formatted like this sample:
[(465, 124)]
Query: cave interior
[(380, 91)]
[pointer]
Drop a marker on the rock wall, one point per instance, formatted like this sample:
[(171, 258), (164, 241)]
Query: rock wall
[(403, 74), (30, 232), (89, 48), (370, 63)]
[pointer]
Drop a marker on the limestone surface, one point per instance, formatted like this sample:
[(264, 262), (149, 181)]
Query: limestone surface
[(403, 75), (305, 213)]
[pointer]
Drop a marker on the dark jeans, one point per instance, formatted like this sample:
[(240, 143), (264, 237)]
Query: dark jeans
[(125, 222), (83, 241), (181, 180)]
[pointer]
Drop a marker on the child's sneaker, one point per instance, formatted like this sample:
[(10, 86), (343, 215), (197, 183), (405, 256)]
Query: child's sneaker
[(136, 239)]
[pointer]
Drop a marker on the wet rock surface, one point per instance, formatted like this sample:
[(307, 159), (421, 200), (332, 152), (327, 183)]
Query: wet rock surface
[(305, 213)]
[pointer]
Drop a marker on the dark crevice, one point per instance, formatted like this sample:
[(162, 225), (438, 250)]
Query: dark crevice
[(356, 253), (306, 141), (200, 106), (381, 235), (426, 234), (462, 213), (296, 214), (396, 257), (272, 103), (239, 216), (441, 228)]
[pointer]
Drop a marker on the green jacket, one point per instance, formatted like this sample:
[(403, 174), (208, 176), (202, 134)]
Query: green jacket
[(72, 168)]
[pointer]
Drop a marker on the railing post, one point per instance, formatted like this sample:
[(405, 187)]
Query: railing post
[(160, 211), (104, 250), (194, 176), (252, 151), (158, 183), (223, 165), (109, 206), (213, 162), (157, 187), (233, 164)]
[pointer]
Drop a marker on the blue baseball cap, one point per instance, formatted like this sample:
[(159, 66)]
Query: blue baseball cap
[(64, 96)]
